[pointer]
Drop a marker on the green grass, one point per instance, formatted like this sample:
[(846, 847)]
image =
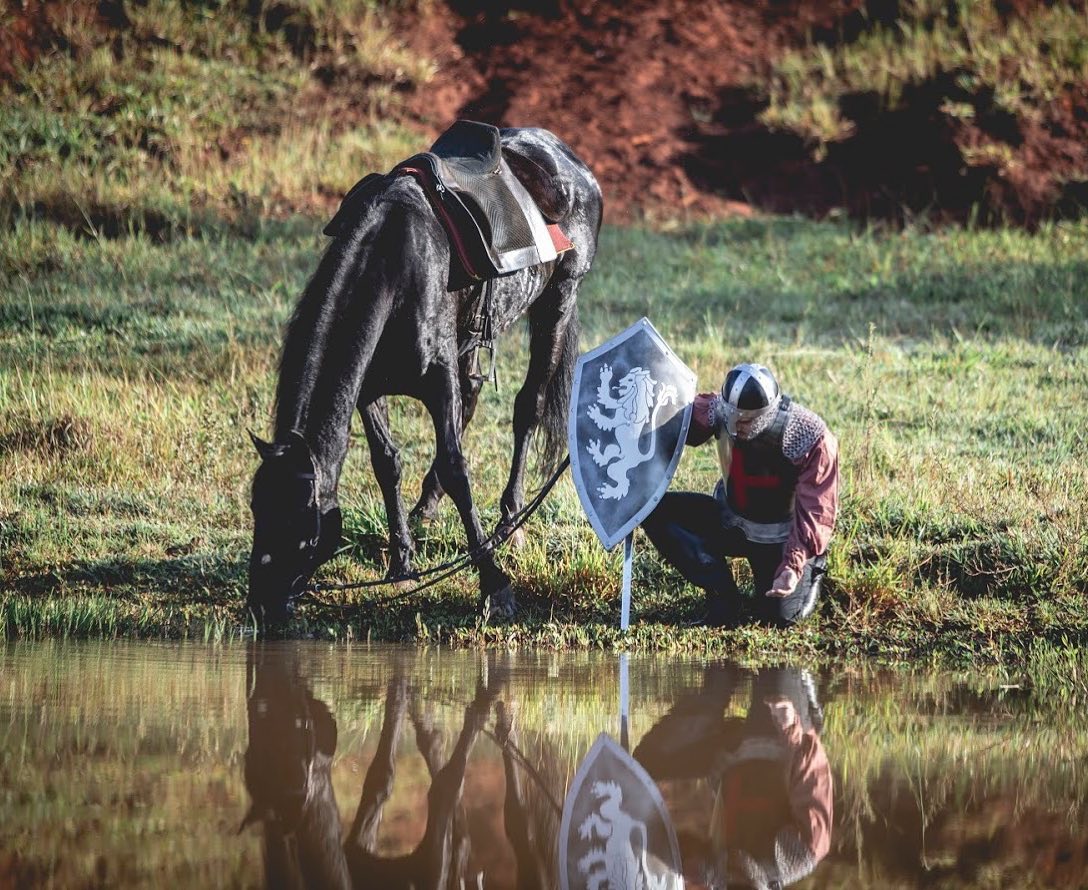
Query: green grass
[(191, 114), (951, 365), (163, 183), (973, 40)]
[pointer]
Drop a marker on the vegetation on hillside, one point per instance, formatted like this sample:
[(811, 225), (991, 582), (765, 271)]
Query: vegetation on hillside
[(999, 87), (1019, 64), (173, 116)]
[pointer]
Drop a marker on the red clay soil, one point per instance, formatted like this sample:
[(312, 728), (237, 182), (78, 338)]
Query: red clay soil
[(625, 83), (655, 96)]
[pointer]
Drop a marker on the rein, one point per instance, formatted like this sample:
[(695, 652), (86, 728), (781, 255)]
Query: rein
[(529, 768), (459, 563)]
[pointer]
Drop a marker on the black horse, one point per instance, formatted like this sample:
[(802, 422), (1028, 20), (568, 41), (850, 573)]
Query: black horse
[(377, 319)]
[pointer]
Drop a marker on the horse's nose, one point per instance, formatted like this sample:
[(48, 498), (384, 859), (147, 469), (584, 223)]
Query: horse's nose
[(271, 615), (269, 603)]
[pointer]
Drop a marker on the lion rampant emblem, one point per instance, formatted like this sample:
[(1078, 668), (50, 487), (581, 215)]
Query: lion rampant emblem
[(634, 407), (620, 863)]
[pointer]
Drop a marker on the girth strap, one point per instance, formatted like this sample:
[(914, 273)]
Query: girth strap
[(481, 336)]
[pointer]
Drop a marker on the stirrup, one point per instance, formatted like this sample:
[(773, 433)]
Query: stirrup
[(476, 372)]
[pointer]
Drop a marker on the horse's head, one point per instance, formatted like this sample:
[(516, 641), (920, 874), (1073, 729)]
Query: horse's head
[(291, 534), (292, 739)]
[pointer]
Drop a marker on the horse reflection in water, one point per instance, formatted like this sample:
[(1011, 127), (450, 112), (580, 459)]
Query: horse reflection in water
[(292, 740), (763, 778)]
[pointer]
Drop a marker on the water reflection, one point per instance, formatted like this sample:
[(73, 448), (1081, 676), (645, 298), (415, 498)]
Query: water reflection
[(135, 765), (292, 740), (768, 822)]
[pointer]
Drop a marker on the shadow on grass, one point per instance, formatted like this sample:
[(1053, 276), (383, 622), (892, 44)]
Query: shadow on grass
[(185, 580), (991, 285)]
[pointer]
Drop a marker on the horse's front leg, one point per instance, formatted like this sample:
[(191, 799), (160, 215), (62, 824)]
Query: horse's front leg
[(431, 491), (553, 346), (386, 461), (380, 775), (443, 401)]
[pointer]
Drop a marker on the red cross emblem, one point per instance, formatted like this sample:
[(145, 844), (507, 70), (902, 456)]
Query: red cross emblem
[(740, 482)]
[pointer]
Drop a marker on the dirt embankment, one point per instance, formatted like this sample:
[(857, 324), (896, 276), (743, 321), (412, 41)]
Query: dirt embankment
[(656, 96)]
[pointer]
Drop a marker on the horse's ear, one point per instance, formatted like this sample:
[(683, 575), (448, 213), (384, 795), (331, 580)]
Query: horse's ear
[(264, 449)]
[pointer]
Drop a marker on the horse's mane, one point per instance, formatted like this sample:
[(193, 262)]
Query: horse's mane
[(310, 329), (306, 333)]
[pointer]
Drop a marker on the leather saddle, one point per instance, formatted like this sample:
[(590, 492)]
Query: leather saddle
[(494, 224)]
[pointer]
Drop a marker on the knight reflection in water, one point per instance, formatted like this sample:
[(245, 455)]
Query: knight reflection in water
[(775, 504), (767, 776)]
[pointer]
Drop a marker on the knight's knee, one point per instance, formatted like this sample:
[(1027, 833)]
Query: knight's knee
[(656, 526)]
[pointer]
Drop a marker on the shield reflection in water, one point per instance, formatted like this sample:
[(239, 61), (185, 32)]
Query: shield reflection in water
[(616, 831)]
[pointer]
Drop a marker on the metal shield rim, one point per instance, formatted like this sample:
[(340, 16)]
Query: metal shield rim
[(611, 540), (602, 742)]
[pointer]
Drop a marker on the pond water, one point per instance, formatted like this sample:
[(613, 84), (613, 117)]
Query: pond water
[(303, 764)]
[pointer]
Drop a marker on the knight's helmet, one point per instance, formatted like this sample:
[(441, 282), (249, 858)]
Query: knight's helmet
[(750, 394)]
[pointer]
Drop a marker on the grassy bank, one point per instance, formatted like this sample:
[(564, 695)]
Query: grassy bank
[(164, 176), (951, 364)]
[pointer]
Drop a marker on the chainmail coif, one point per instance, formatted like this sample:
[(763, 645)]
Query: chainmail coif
[(803, 430)]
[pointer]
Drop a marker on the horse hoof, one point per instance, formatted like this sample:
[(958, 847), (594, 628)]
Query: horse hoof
[(499, 605), (400, 572), (515, 539), (422, 514), (271, 620)]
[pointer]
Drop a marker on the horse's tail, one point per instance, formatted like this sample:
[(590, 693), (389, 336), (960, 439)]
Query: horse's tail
[(553, 420)]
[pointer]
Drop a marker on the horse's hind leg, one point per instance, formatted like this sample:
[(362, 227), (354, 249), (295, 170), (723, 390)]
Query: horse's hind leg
[(387, 470), (552, 344), (431, 491)]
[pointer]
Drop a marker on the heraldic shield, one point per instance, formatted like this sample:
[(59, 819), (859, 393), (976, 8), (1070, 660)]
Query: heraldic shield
[(629, 415), (616, 832)]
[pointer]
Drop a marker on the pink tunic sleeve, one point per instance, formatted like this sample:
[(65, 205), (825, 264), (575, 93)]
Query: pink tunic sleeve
[(816, 504), (811, 792)]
